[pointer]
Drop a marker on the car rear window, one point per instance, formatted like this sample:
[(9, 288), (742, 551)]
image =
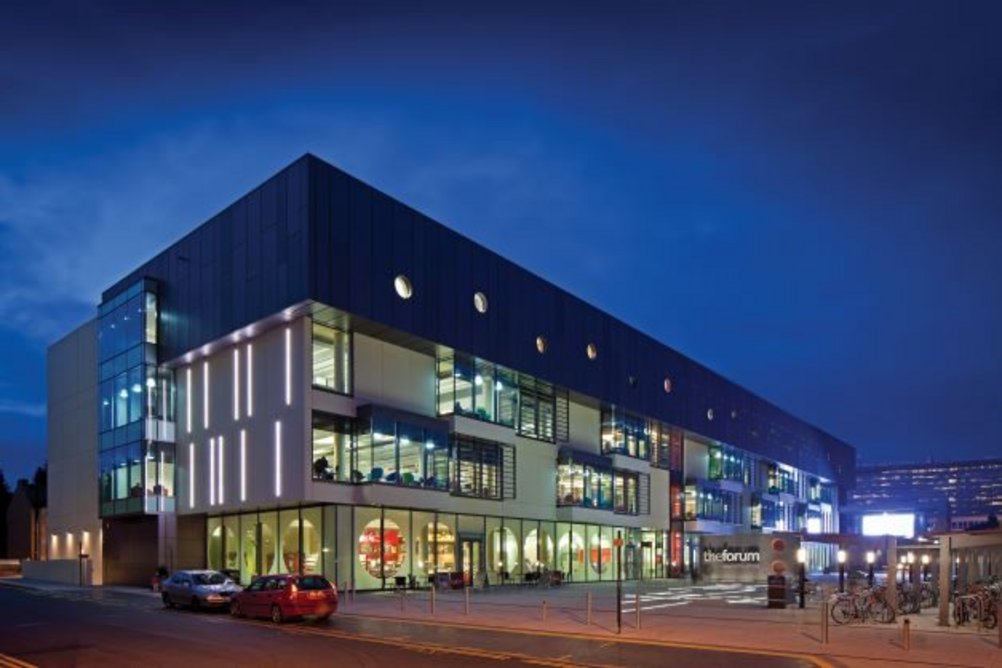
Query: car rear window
[(313, 582)]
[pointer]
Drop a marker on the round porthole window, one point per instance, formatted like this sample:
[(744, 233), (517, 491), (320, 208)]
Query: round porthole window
[(667, 385), (709, 413), (632, 380), (403, 286), (541, 344), (592, 351), (480, 302)]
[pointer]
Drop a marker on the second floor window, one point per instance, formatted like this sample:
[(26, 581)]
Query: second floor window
[(331, 359)]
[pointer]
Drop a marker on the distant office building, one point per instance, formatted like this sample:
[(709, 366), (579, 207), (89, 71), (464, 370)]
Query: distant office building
[(943, 496), (321, 379)]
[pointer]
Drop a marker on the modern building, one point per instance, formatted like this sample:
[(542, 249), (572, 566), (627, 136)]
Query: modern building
[(941, 496), (320, 378)]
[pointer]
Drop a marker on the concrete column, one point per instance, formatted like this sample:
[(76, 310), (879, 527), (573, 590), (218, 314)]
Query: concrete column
[(945, 563)]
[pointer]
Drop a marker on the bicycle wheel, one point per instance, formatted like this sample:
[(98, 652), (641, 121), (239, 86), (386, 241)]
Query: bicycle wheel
[(841, 612), (882, 612)]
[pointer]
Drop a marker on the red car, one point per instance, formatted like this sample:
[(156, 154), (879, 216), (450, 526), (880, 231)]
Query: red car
[(281, 597)]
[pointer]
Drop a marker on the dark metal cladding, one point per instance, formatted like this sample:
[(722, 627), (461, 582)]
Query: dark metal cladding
[(315, 232)]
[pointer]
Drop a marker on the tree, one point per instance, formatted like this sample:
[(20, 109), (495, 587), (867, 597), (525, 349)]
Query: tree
[(5, 496)]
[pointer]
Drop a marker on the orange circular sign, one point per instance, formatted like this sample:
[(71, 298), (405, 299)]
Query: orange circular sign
[(618, 542)]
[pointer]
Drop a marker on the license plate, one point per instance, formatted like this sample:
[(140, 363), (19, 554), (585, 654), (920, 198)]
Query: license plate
[(316, 594)]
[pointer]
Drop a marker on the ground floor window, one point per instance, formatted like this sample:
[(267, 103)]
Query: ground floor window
[(371, 547)]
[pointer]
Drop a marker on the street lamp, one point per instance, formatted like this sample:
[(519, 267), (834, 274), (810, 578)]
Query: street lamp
[(802, 573), (911, 567), (925, 567), (841, 571), (901, 567), (870, 558)]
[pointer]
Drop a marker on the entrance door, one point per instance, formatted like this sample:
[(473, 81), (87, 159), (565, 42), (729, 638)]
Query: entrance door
[(470, 559), (646, 560)]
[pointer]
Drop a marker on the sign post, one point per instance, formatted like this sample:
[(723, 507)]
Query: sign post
[(618, 542)]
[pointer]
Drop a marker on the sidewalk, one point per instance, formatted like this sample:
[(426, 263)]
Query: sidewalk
[(58, 587), (747, 628)]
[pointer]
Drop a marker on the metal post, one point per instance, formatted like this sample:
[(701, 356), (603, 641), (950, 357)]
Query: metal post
[(999, 627), (869, 577), (906, 634), (466, 600), (431, 599), (403, 595), (802, 585), (344, 591), (588, 616), (638, 610), (619, 582), (841, 578), (544, 609), (824, 622)]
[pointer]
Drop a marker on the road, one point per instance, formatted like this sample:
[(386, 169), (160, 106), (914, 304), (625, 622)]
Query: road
[(103, 628)]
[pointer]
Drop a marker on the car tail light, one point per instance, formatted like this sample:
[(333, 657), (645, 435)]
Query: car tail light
[(293, 589)]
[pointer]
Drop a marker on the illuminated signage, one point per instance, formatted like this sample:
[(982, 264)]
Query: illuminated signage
[(725, 555)]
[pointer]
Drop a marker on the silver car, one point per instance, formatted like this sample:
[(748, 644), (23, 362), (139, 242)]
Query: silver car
[(198, 589)]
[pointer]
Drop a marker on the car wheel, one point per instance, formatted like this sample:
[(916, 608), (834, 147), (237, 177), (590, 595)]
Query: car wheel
[(195, 605), (324, 618), (276, 614), (235, 609), (166, 600)]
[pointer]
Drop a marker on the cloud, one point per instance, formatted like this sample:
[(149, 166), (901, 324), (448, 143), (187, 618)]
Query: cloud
[(22, 408)]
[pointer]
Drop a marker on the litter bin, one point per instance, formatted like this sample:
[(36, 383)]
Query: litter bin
[(776, 597)]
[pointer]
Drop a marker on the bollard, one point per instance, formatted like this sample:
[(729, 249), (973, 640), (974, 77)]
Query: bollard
[(403, 595), (824, 622), (544, 609), (999, 627), (588, 616), (344, 591), (466, 600), (638, 610), (431, 599), (906, 634)]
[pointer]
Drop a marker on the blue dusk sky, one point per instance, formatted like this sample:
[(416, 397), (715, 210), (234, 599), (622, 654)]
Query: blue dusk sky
[(804, 196)]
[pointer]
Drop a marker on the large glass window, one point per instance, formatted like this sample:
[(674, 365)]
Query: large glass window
[(331, 359), (479, 468), (626, 490), (396, 451), (628, 434), (331, 447)]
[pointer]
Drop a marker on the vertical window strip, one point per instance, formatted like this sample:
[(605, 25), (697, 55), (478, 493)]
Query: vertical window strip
[(187, 400), (288, 366), (222, 473), (212, 471), (236, 384), (191, 475), (205, 395), (250, 379), (243, 464), (278, 458)]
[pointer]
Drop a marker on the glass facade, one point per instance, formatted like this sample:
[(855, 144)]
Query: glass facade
[(589, 481), (136, 405), (331, 359), (382, 548), (482, 390)]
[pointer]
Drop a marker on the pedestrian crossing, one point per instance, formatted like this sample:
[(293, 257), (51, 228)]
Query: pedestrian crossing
[(676, 597)]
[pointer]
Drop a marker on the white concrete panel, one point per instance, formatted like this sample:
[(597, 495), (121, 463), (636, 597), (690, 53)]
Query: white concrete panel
[(585, 428), (389, 375)]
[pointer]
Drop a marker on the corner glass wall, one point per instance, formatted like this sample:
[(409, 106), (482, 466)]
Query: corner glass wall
[(590, 481), (136, 404)]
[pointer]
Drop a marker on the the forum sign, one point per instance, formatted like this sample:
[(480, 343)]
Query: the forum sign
[(748, 555)]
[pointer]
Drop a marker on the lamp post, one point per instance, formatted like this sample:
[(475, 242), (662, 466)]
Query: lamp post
[(802, 574), (841, 571), (911, 567), (870, 558), (925, 567), (901, 567)]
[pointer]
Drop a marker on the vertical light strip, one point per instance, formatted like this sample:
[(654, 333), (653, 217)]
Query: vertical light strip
[(236, 383), (187, 400), (250, 380), (222, 471), (212, 471), (278, 458), (191, 475), (288, 366), (243, 464), (205, 395)]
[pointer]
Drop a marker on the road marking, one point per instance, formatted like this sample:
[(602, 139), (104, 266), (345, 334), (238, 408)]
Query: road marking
[(8, 661), (811, 658)]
